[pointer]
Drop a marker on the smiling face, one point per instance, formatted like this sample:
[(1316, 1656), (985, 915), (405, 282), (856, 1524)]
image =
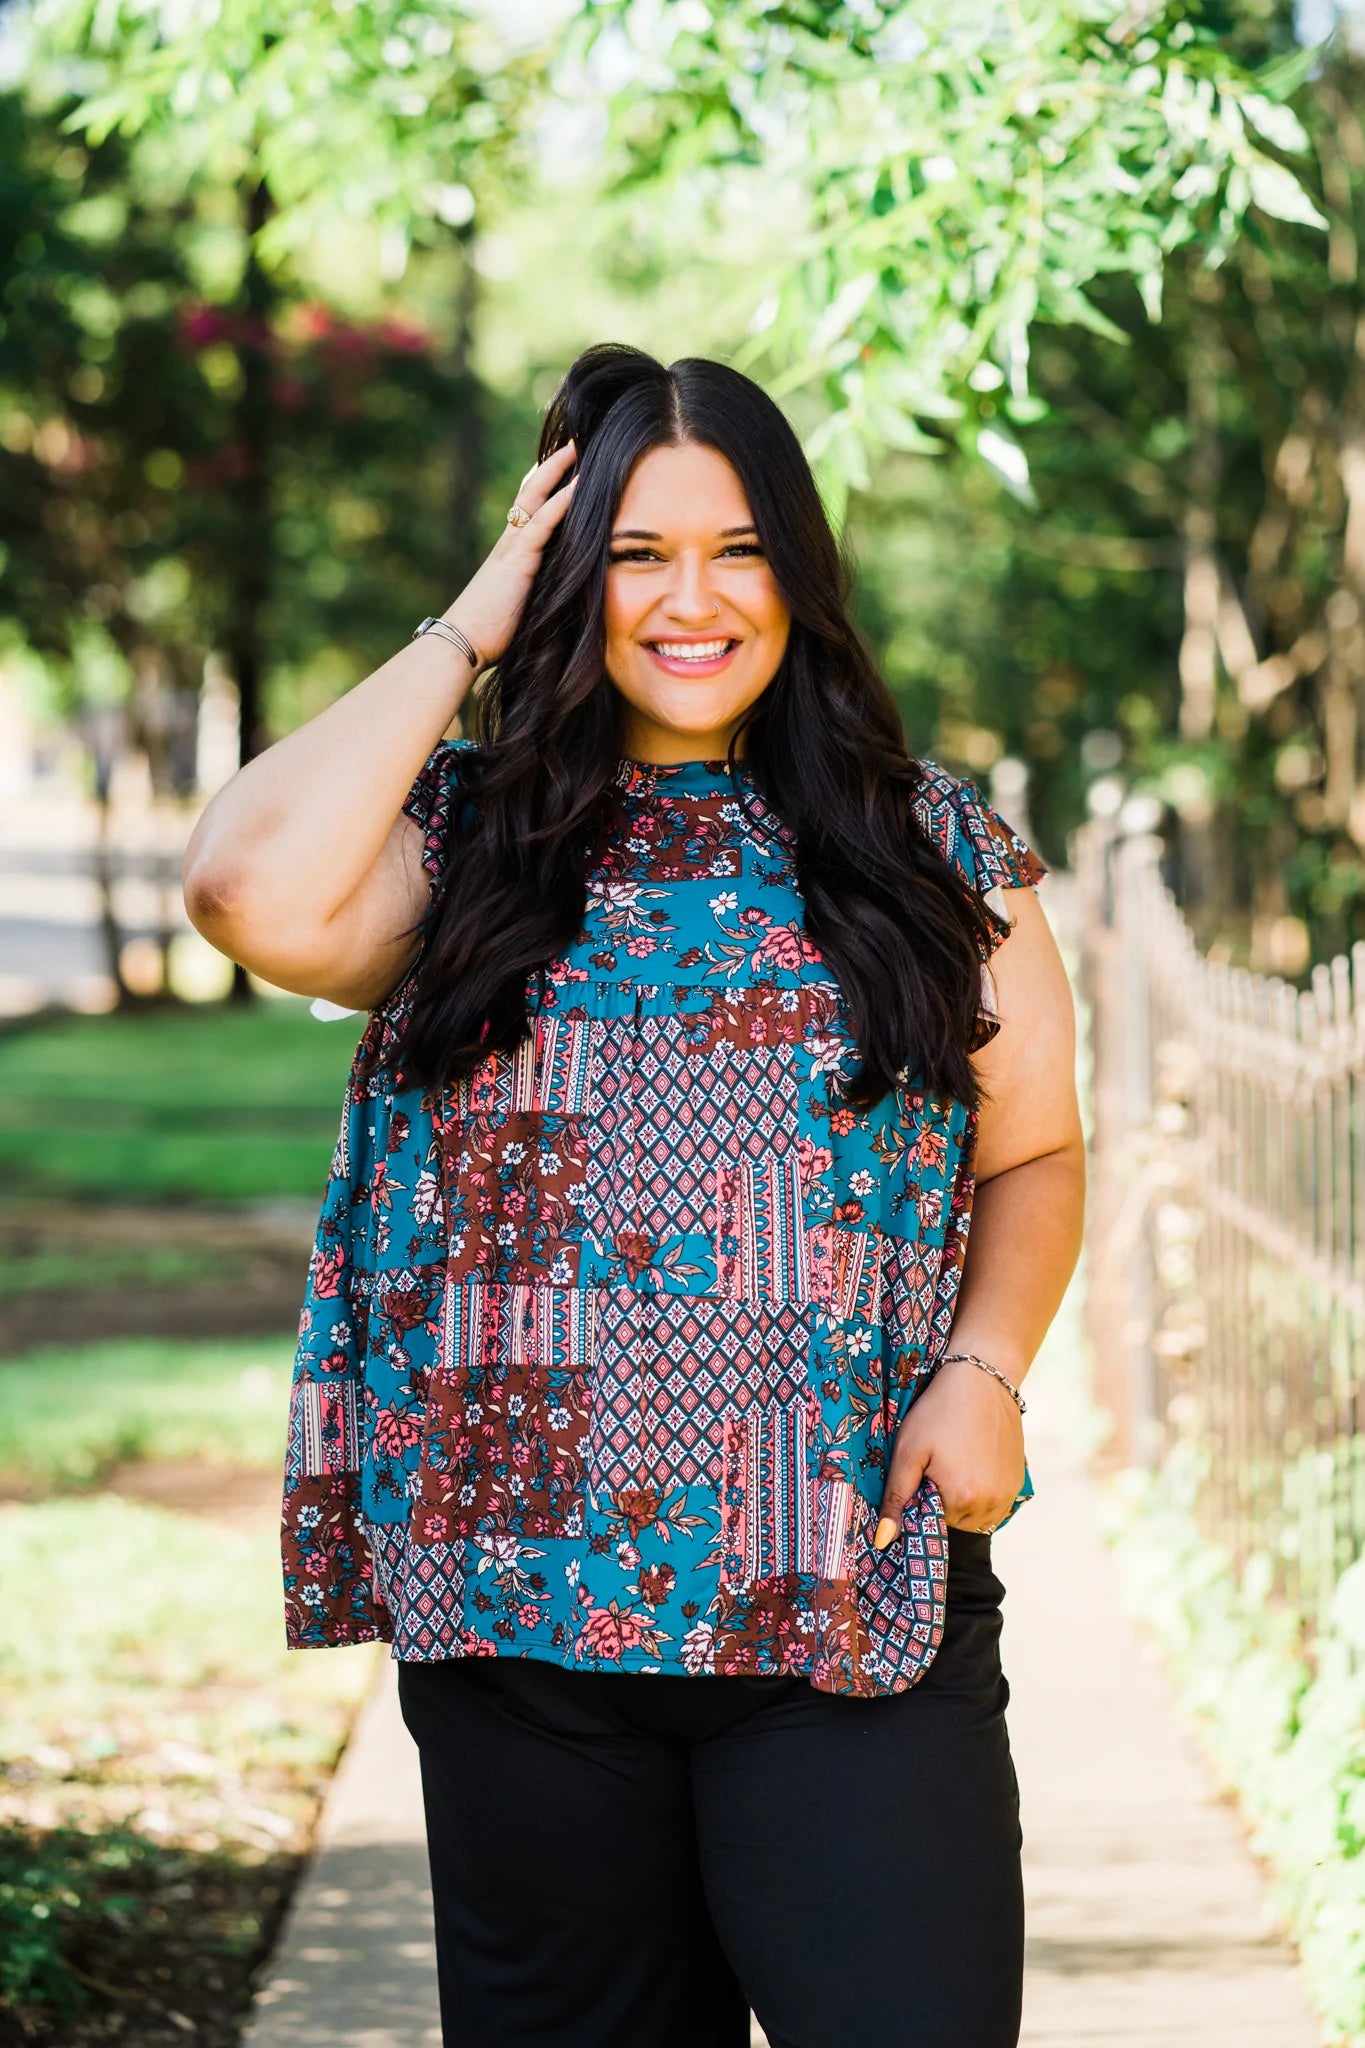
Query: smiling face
[(696, 626)]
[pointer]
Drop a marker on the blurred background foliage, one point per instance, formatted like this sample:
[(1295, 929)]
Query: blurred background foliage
[(1063, 298), (284, 295)]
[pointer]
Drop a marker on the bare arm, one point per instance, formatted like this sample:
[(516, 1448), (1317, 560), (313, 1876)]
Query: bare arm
[(303, 867), (1025, 1236), (1029, 1204)]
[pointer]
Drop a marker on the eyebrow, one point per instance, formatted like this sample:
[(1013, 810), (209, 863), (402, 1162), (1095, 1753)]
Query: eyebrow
[(639, 533)]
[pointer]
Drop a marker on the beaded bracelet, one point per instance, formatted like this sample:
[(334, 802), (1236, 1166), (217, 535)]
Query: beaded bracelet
[(994, 1372)]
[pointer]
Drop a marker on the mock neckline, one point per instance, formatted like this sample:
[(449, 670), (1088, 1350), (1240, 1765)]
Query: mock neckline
[(707, 774)]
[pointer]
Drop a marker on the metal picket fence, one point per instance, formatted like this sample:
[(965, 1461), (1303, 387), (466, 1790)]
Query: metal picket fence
[(1227, 1295)]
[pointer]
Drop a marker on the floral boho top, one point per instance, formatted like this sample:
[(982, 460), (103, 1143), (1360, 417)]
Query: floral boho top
[(602, 1349)]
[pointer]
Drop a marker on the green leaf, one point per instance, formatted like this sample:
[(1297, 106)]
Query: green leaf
[(1278, 79), (1149, 282), (1068, 304), (843, 309), (1278, 192), (1027, 410), (1002, 454), (1277, 123)]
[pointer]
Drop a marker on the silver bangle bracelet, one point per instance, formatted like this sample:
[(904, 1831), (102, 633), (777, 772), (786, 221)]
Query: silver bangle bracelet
[(994, 1372), (448, 632)]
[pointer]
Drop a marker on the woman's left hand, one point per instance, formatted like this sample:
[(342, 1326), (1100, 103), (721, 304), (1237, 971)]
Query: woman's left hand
[(968, 1435)]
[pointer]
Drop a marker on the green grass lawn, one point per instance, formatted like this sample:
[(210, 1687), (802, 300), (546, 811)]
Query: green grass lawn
[(72, 1266), (162, 1757), (211, 1103), (119, 1611), (162, 1754), (66, 1416)]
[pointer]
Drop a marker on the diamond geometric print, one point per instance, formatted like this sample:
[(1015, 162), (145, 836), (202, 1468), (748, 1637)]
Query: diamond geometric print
[(698, 1110), (668, 1369)]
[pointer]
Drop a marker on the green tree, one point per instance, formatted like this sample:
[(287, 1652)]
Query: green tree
[(389, 125), (1182, 597), (1009, 233), (1057, 145), (100, 412), (133, 518)]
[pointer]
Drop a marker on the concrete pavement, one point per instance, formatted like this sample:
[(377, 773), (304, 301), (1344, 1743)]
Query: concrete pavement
[(354, 1966), (1146, 1918)]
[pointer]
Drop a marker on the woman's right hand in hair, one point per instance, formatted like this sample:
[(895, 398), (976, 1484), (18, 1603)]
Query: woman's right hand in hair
[(489, 606), (304, 866)]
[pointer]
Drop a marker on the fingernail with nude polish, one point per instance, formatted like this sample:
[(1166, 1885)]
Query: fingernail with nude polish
[(885, 1533)]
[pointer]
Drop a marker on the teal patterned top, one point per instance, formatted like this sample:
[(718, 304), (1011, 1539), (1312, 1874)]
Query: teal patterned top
[(602, 1350)]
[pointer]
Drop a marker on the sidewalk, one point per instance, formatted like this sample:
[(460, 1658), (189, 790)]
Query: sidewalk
[(1145, 1918), (354, 1967), (1146, 1924)]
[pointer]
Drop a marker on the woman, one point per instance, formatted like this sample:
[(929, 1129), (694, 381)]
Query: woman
[(645, 1398)]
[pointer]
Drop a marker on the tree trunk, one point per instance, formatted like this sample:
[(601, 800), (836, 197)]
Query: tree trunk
[(111, 935), (251, 553), (1202, 588), (468, 426)]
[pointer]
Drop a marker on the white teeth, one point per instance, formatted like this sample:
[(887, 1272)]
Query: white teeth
[(711, 650)]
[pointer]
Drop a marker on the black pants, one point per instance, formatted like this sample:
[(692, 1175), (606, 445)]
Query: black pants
[(632, 1860)]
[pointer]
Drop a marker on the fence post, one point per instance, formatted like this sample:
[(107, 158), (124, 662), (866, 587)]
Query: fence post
[(1138, 878)]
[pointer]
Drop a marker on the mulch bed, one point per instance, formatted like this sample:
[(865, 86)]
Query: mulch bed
[(162, 1947), (253, 1260), (260, 1302)]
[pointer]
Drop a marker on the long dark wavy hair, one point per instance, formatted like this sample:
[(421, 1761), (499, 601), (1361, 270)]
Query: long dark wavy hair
[(824, 743)]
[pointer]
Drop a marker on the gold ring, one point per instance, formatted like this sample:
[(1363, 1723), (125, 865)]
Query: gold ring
[(518, 516)]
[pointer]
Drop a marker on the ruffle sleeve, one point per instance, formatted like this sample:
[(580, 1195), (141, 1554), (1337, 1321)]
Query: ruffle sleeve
[(976, 841), (430, 803), (987, 853)]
